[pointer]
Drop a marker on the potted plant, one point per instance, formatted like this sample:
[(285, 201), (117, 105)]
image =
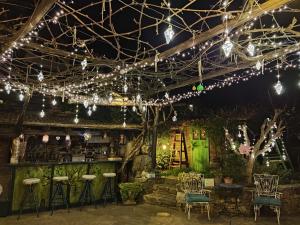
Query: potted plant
[(233, 168), (130, 192)]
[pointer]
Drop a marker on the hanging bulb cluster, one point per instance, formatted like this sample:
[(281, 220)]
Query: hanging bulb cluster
[(76, 120), (42, 112)]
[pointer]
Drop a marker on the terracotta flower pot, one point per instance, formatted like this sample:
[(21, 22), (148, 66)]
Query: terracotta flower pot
[(228, 180)]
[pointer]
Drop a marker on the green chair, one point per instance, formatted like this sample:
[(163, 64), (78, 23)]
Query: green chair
[(266, 194), (193, 186)]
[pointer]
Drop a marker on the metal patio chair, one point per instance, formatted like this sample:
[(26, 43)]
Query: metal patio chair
[(266, 194), (193, 186)]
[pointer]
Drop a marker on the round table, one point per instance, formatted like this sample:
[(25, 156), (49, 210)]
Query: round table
[(228, 192)]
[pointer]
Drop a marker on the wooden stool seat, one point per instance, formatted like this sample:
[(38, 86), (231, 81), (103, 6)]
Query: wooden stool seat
[(88, 177), (61, 178), (109, 174), (31, 181)]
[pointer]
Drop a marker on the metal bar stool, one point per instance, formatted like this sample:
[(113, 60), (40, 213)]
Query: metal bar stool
[(87, 194), (109, 191), (59, 195), (30, 197)]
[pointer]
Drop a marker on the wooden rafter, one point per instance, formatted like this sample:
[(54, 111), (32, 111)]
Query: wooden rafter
[(36, 17)]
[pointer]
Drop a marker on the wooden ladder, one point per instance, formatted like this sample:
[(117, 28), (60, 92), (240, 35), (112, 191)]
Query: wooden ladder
[(179, 155)]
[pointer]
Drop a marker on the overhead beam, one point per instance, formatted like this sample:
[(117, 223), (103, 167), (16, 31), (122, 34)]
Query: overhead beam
[(31, 23), (243, 65), (219, 29)]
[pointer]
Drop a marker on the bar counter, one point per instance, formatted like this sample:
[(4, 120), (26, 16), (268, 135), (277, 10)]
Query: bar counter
[(46, 171)]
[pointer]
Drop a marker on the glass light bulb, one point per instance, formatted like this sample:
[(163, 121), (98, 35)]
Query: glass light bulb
[(84, 64), (8, 88), (166, 95), (138, 97), (125, 88), (169, 34), (134, 108), (124, 124), (85, 103), (110, 98), (278, 87), (258, 65), (227, 47)]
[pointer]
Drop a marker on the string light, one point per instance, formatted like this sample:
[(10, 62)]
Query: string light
[(89, 112), (76, 120), (42, 112)]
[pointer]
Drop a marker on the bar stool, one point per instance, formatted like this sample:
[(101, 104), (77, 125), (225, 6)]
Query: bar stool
[(59, 195), (87, 194), (109, 191), (30, 197)]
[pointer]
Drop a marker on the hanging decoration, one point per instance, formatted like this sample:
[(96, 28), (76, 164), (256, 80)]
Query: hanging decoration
[(85, 103), (84, 64), (54, 102), (94, 108), (174, 118), (169, 34), (227, 47), (21, 96), (124, 110), (68, 138), (110, 98), (7, 88), (40, 76), (89, 112), (45, 138), (278, 86), (76, 120), (200, 87), (42, 112), (251, 49)]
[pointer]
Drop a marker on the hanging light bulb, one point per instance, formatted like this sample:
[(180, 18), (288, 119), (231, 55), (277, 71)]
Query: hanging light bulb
[(267, 163), (284, 156), (68, 138), (83, 64), (21, 96), (57, 138), (227, 47), (42, 114), (125, 88), (40, 76), (89, 112), (134, 108), (54, 102), (110, 98), (7, 88), (251, 49), (124, 124), (85, 103), (278, 87), (258, 65), (94, 107), (45, 138), (174, 118), (169, 34), (76, 120), (144, 108), (239, 134), (167, 95), (191, 107)]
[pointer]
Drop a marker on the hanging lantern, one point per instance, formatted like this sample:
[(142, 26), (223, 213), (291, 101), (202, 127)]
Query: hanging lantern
[(191, 107), (134, 108), (21, 96), (169, 34), (89, 112), (57, 138), (200, 87), (68, 138), (194, 88), (45, 138), (94, 108), (76, 120), (124, 124), (40, 76), (42, 114), (278, 87), (125, 88), (54, 102), (138, 97), (7, 88), (84, 64), (251, 49), (174, 118), (227, 47), (85, 103), (110, 98)]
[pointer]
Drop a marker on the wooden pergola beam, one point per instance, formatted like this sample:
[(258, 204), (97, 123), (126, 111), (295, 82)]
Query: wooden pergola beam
[(219, 29), (244, 65), (31, 23)]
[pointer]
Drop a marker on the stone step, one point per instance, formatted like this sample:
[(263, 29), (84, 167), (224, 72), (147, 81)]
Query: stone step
[(170, 180), (160, 199), (165, 189)]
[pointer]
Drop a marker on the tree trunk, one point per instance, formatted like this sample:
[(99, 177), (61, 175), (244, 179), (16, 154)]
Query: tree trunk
[(154, 137), (249, 169)]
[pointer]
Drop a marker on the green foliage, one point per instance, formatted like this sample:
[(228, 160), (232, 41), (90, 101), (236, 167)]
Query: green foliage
[(234, 166), (175, 171), (285, 176), (130, 191), (163, 160)]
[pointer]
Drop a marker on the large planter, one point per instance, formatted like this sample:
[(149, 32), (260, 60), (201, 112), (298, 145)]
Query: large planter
[(130, 192)]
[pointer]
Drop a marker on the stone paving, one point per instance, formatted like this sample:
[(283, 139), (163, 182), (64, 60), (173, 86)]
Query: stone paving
[(136, 215)]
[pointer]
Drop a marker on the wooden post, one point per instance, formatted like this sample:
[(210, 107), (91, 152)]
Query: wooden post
[(154, 137)]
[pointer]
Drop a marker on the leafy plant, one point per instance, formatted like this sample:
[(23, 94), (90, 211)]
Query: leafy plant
[(175, 171), (233, 166), (130, 191), (163, 160)]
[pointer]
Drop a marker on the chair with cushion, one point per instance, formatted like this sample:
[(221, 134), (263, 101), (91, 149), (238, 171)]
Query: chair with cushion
[(193, 186), (266, 194)]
